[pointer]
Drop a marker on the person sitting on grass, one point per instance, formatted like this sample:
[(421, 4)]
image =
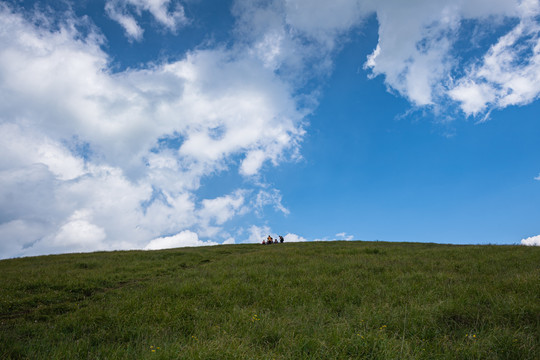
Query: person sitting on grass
[(281, 240), (269, 241)]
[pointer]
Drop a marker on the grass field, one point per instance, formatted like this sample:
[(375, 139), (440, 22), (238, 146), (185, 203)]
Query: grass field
[(331, 300)]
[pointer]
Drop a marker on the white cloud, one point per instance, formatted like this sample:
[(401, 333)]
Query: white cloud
[(344, 236), (81, 233), (415, 44), (27, 147), (416, 51), (507, 75), (531, 241), (537, 178), (295, 37), (124, 11), (19, 234), (411, 69), (271, 197), (78, 138), (293, 238), (128, 22), (474, 97), (257, 234), (185, 238), (129, 149), (222, 209), (77, 234), (320, 18)]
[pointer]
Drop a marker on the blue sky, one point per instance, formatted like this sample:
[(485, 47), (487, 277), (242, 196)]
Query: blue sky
[(147, 124)]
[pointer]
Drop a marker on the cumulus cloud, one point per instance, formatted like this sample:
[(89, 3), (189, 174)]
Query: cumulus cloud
[(77, 234), (185, 238), (215, 212), (257, 234), (531, 241), (416, 50), (294, 238), (128, 149), (167, 13)]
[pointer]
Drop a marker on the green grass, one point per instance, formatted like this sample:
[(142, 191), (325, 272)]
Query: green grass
[(332, 300)]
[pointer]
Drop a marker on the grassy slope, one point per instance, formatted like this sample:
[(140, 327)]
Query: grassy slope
[(303, 300)]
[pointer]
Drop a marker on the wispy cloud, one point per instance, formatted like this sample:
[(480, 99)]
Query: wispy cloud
[(169, 14), (509, 74), (344, 236)]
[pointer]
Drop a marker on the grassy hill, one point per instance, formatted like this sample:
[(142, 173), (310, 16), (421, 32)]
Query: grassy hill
[(332, 300)]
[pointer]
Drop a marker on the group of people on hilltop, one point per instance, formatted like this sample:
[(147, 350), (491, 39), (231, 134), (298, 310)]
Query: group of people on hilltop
[(269, 240)]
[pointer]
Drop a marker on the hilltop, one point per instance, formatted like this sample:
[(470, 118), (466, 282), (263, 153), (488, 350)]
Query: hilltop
[(326, 300)]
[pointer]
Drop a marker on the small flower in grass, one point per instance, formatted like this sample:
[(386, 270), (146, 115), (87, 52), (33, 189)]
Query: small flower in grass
[(194, 338), (382, 327), (255, 318)]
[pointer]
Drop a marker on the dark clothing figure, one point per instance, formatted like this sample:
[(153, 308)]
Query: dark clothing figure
[(281, 240)]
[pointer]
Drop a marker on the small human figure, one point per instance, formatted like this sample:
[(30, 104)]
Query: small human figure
[(264, 242), (269, 241), (281, 240)]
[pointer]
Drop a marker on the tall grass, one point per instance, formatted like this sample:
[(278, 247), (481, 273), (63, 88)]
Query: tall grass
[(334, 300)]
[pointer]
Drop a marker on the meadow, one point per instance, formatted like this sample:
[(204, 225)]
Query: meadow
[(316, 300)]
